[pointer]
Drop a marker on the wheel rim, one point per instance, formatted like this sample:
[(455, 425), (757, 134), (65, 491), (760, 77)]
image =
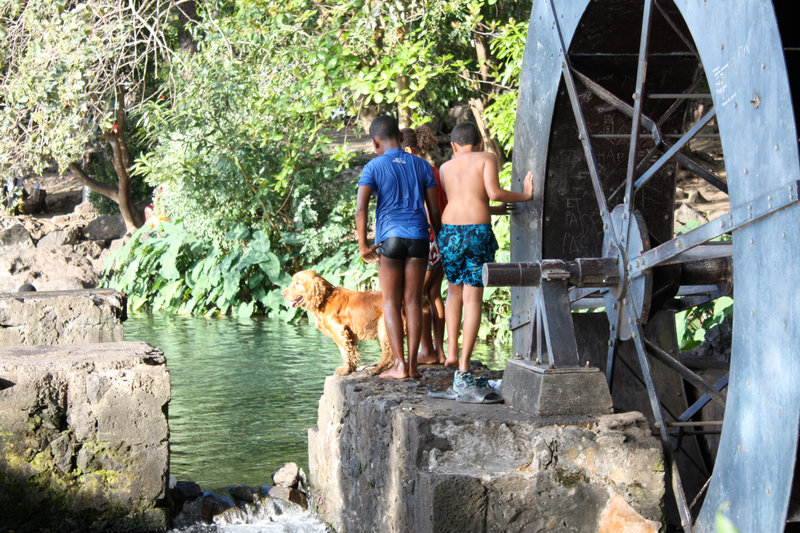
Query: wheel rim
[(744, 65)]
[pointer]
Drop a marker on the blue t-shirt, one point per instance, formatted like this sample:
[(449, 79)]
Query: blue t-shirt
[(398, 180)]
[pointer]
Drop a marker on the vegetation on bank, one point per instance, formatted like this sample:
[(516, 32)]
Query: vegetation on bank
[(225, 112)]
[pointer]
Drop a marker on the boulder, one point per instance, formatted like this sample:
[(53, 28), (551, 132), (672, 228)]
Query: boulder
[(59, 237), (48, 269), (287, 476), (15, 238), (83, 437), (62, 317), (105, 228)]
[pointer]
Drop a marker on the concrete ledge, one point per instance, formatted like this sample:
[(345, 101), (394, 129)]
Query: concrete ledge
[(385, 457), (62, 317), (83, 437)]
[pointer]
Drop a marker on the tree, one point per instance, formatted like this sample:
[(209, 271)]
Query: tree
[(72, 73)]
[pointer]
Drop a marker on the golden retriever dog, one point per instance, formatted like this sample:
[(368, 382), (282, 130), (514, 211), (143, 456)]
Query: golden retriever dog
[(344, 315)]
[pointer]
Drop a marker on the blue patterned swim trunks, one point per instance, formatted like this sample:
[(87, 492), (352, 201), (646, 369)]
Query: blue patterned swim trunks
[(464, 249)]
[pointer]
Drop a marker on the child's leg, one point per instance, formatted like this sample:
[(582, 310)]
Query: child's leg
[(452, 314), (427, 352), (472, 301), (390, 277), (431, 348), (437, 312), (412, 301)]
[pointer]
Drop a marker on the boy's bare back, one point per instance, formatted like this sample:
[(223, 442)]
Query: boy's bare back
[(470, 181), (463, 179)]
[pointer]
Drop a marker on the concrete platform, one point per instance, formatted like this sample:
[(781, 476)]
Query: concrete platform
[(386, 457)]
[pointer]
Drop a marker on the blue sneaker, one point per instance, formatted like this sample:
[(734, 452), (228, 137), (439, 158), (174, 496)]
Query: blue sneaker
[(473, 390)]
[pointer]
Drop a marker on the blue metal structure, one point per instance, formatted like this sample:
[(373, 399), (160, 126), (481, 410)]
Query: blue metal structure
[(603, 124)]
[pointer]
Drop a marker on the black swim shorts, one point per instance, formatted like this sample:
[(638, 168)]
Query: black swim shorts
[(401, 248)]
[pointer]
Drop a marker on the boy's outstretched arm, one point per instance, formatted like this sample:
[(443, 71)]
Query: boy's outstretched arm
[(491, 183), (367, 252)]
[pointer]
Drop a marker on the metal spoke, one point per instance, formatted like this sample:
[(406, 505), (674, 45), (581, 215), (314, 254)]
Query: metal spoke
[(591, 161), (674, 149), (638, 97), (684, 372), (647, 374)]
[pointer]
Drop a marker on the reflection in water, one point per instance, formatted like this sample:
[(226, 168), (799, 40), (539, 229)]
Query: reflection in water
[(244, 392)]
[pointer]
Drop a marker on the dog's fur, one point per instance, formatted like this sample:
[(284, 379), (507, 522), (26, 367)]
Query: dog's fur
[(344, 315)]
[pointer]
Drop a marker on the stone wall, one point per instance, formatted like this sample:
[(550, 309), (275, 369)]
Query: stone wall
[(385, 457), (61, 317), (83, 437)]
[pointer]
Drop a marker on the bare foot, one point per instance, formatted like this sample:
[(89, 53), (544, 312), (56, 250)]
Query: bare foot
[(451, 362), (441, 359), (415, 374), (427, 359), (398, 370), (395, 373)]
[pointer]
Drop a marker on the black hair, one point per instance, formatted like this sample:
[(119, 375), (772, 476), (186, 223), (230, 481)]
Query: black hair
[(384, 128), (466, 134), (419, 140)]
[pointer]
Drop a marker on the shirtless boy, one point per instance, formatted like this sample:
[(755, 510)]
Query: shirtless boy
[(466, 242), (403, 185)]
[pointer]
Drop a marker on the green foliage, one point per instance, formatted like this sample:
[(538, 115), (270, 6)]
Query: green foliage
[(63, 64), (166, 267), (692, 324)]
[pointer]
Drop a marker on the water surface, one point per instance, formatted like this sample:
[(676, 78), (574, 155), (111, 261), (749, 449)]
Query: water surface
[(244, 392)]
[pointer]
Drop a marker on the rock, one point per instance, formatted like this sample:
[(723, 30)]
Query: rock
[(290, 495), (457, 114), (685, 214), (182, 492), (286, 476), (244, 494), (106, 228), (89, 419), (214, 504), (68, 317), (14, 238), (59, 237), (618, 516), (48, 269)]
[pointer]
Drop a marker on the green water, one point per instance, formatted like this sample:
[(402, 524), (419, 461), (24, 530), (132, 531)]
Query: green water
[(244, 392)]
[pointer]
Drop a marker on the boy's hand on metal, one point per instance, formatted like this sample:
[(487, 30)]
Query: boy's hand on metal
[(527, 184), (370, 255)]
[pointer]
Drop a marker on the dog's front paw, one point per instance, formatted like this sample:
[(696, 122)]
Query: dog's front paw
[(343, 371)]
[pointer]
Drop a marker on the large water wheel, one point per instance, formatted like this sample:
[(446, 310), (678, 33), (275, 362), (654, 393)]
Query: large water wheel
[(618, 98)]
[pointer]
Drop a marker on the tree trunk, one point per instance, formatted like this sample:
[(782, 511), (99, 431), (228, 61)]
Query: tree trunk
[(477, 107), (187, 15), (403, 111)]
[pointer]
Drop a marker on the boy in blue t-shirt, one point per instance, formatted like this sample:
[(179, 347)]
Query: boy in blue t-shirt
[(403, 185)]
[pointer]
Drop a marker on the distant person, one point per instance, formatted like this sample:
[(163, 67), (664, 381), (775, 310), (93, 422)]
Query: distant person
[(403, 186), (466, 242), (418, 142)]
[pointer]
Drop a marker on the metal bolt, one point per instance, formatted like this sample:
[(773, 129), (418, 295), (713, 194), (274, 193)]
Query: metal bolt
[(752, 241), (746, 171), (777, 147), (635, 96), (610, 342), (587, 364)]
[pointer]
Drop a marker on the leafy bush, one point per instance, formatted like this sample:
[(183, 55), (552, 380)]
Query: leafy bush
[(167, 267)]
